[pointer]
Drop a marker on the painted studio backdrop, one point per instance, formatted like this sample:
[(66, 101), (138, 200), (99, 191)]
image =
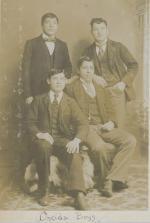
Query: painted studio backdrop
[(20, 21)]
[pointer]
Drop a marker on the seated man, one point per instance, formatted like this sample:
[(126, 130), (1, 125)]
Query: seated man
[(56, 125), (113, 161)]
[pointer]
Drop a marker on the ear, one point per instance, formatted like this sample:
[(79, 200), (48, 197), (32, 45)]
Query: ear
[(48, 81)]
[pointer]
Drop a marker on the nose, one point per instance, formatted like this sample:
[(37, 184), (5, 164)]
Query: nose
[(88, 71)]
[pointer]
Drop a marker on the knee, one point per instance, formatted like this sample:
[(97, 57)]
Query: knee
[(132, 140), (43, 146)]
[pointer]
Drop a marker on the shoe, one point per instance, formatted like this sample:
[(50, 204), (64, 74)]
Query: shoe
[(43, 201), (80, 202), (107, 190), (118, 185)]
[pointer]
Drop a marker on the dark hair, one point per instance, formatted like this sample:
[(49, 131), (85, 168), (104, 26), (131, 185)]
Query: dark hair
[(49, 15), (98, 21), (82, 59), (53, 72)]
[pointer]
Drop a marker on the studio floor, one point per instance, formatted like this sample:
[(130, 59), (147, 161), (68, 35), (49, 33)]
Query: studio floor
[(133, 198)]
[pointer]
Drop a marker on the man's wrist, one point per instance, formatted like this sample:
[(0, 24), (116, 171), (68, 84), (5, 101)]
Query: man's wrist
[(77, 140), (38, 134), (122, 82)]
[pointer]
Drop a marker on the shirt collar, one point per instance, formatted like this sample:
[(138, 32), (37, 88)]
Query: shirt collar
[(102, 44), (89, 88), (51, 96), (84, 82), (47, 38)]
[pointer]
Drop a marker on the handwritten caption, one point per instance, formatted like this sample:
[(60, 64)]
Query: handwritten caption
[(77, 217)]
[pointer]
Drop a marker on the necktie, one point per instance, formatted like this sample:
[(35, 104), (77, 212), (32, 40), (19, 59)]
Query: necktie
[(101, 52), (55, 102)]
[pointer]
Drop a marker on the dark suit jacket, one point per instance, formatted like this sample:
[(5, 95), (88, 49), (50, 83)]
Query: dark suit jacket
[(72, 122), (120, 61), (76, 91), (36, 64)]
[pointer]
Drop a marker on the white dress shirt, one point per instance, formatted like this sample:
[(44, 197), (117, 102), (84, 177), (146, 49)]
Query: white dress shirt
[(89, 88), (52, 96), (50, 44), (101, 48)]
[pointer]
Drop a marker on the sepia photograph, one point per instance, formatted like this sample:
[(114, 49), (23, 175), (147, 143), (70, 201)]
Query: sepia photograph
[(74, 110)]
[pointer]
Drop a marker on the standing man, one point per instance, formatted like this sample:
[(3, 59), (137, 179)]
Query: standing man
[(57, 125), (113, 161), (115, 69), (42, 54)]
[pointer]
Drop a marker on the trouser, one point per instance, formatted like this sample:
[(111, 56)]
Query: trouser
[(116, 106), (113, 150), (42, 152)]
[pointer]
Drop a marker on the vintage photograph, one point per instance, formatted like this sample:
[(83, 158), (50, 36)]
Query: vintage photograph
[(74, 92)]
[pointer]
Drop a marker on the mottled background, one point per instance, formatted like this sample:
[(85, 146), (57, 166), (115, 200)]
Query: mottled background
[(20, 20)]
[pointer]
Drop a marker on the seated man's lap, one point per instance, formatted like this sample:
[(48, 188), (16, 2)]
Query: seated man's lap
[(118, 136), (96, 142)]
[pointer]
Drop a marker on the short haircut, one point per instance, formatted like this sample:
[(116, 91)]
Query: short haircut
[(49, 15), (53, 72), (98, 21), (82, 59)]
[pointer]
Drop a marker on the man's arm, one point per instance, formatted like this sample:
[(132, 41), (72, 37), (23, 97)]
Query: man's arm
[(26, 68), (80, 121), (131, 64), (32, 118), (67, 62)]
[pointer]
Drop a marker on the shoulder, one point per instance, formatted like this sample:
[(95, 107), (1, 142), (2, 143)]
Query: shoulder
[(61, 42), (40, 98), (73, 86), (74, 83), (116, 44), (34, 40), (90, 47)]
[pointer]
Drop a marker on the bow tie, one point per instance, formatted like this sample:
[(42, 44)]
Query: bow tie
[(46, 39)]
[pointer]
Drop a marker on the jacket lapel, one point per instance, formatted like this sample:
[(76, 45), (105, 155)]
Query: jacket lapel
[(100, 98), (47, 105), (111, 54), (81, 96), (44, 48), (56, 51), (95, 58)]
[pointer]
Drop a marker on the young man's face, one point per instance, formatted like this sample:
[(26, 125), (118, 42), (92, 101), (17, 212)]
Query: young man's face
[(87, 71), (50, 26), (99, 31), (57, 82)]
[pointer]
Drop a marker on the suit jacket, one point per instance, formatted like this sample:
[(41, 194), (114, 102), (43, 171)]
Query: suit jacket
[(71, 121), (36, 64), (76, 91), (120, 61)]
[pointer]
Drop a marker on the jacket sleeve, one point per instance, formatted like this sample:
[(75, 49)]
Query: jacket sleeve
[(131, 65), (32, 118), (67, 62), (80, 121), (26, 68)]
